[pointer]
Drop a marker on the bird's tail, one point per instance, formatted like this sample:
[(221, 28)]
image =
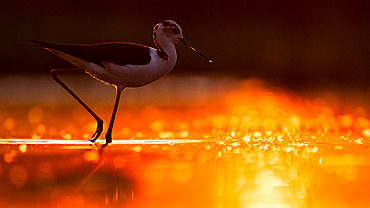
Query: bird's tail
[(33, 42)]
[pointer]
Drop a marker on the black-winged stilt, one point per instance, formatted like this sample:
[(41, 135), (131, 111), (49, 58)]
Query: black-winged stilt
[(121, 64)]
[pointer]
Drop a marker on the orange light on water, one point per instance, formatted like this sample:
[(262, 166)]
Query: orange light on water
[(91, 156), (10, 156), (23, 148), (366, 132), (67, 136), (18, 176), (256, 146), (9, 124)]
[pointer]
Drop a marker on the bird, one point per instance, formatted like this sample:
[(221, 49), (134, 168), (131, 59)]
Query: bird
[(121, 64)]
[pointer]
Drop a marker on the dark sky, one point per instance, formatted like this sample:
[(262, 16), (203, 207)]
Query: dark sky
[(287, 40)]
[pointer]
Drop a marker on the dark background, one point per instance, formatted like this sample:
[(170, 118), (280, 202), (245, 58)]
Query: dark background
[(297, 43)]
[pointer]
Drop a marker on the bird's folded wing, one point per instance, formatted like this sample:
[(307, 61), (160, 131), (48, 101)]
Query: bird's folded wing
[(120, 53)]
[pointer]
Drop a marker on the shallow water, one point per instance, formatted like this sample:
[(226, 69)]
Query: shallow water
[(182, 174), (247, 144)]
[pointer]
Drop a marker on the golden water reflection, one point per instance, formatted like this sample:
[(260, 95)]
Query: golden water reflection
[(183, 175), (252, 145)]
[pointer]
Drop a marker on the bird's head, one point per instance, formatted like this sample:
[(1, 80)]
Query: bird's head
[(172, 32), (168, 29)]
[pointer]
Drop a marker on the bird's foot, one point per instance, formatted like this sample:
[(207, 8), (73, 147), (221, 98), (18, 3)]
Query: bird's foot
[(99, 129), (108, 139), (105, 145), (108, 136)]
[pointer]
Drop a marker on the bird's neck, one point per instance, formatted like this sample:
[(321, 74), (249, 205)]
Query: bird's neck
[(166, 49)]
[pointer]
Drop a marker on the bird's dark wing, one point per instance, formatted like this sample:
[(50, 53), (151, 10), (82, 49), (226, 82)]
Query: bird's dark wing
[(118, 53)]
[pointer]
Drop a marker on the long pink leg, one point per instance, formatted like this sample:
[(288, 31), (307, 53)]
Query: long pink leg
[(108, 136), (99, 126)]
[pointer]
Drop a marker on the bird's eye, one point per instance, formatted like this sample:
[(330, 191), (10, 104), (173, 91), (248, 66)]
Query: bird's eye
[(175, 31)]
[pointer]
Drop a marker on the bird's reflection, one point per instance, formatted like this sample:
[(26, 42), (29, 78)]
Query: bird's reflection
[(181, 175), (102, 182), (63, 176)]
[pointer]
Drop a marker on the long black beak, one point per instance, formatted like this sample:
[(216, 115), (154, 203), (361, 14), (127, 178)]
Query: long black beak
[(183, 41)]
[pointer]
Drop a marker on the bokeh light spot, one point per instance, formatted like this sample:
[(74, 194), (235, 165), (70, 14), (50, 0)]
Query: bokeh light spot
[(91, 156), (166, 134), (366, 132), (9, 157), (41, 129), (183, 134), (9, 124), (35, 115), (67, 136), (18, 176), (157, 126), (137, 148), (23, 148), (36, 136)]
